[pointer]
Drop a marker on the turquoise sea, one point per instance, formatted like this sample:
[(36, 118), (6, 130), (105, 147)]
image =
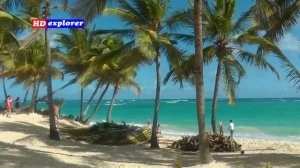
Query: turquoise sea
[(253, 118)]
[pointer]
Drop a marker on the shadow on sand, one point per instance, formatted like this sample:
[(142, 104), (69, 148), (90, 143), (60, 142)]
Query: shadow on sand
[(16, 154)]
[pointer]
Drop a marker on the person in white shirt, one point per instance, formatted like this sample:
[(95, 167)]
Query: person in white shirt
[(231, 128)]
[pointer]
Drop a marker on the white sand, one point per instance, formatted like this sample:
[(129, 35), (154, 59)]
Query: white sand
[(24, 143)]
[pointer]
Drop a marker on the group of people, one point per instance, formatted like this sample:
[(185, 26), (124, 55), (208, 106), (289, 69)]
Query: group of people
[(230, 128), (9, 106), (158, 130)]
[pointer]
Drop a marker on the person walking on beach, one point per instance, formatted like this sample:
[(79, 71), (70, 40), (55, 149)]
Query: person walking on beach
[(8, 106), (231, 128), (17, 105)]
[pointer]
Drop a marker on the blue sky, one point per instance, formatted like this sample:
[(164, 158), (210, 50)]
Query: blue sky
[(257, 83)]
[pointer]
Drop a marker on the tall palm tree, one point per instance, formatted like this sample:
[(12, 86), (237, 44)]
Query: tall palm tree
[(9, 25), (225, 40), (78, 44), (108, 64), (146, 20), (28, 67), (53, 129), (205, 156)]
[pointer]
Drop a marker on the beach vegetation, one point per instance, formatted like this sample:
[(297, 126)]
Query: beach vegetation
[(146, 22), (112, 134), (217, 143)]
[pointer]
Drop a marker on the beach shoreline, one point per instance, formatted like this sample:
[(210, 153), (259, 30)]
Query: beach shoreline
[(24, 143)]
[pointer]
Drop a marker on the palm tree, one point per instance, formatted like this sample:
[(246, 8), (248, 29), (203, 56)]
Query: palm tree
[(9, 26), (147, 29), (108, 64), (53, 130), (28, 67), (225, 40), (121, 76), (78, 44), (205, 155)]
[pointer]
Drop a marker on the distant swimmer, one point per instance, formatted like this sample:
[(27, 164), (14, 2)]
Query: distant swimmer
[(231, 128), (148, 123)]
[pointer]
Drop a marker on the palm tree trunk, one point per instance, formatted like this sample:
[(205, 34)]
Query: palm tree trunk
[(154, 140), (24, 100), (4, 88), (108, 116), (36, 95), (215, 98), (53, 130), (30, 109), (91, 99), (92, 116), (81, 116), (205, 156)]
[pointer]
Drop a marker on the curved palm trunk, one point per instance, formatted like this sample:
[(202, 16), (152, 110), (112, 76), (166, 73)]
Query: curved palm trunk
[(81, 116), (154, 141), (108, 116), (24, 100), (4, 88), (205, 156), (215, 98), (92, 116), (53, 130), (31, 107), (91, 99)]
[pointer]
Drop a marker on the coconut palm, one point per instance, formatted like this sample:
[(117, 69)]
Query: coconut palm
[(146, 20), (78, 44), (9, 24), (225, 40), (205, 156), (46, 14), (28, 67), (104, 60)]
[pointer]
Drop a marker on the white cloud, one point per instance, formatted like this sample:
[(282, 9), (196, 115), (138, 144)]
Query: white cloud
[(289, 43)]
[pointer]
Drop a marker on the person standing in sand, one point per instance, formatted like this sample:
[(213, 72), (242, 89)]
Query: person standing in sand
[(158, 130), (231, 128), (8, 106), (56, 113), (220, 126)]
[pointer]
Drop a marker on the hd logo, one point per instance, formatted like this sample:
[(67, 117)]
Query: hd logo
[(57, 23)]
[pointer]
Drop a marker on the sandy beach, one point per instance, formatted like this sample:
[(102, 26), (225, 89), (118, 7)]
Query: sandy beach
[(24, 143)]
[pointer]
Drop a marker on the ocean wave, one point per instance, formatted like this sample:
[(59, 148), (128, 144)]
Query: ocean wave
[(175, 101), (282, 100), (115, 104)]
